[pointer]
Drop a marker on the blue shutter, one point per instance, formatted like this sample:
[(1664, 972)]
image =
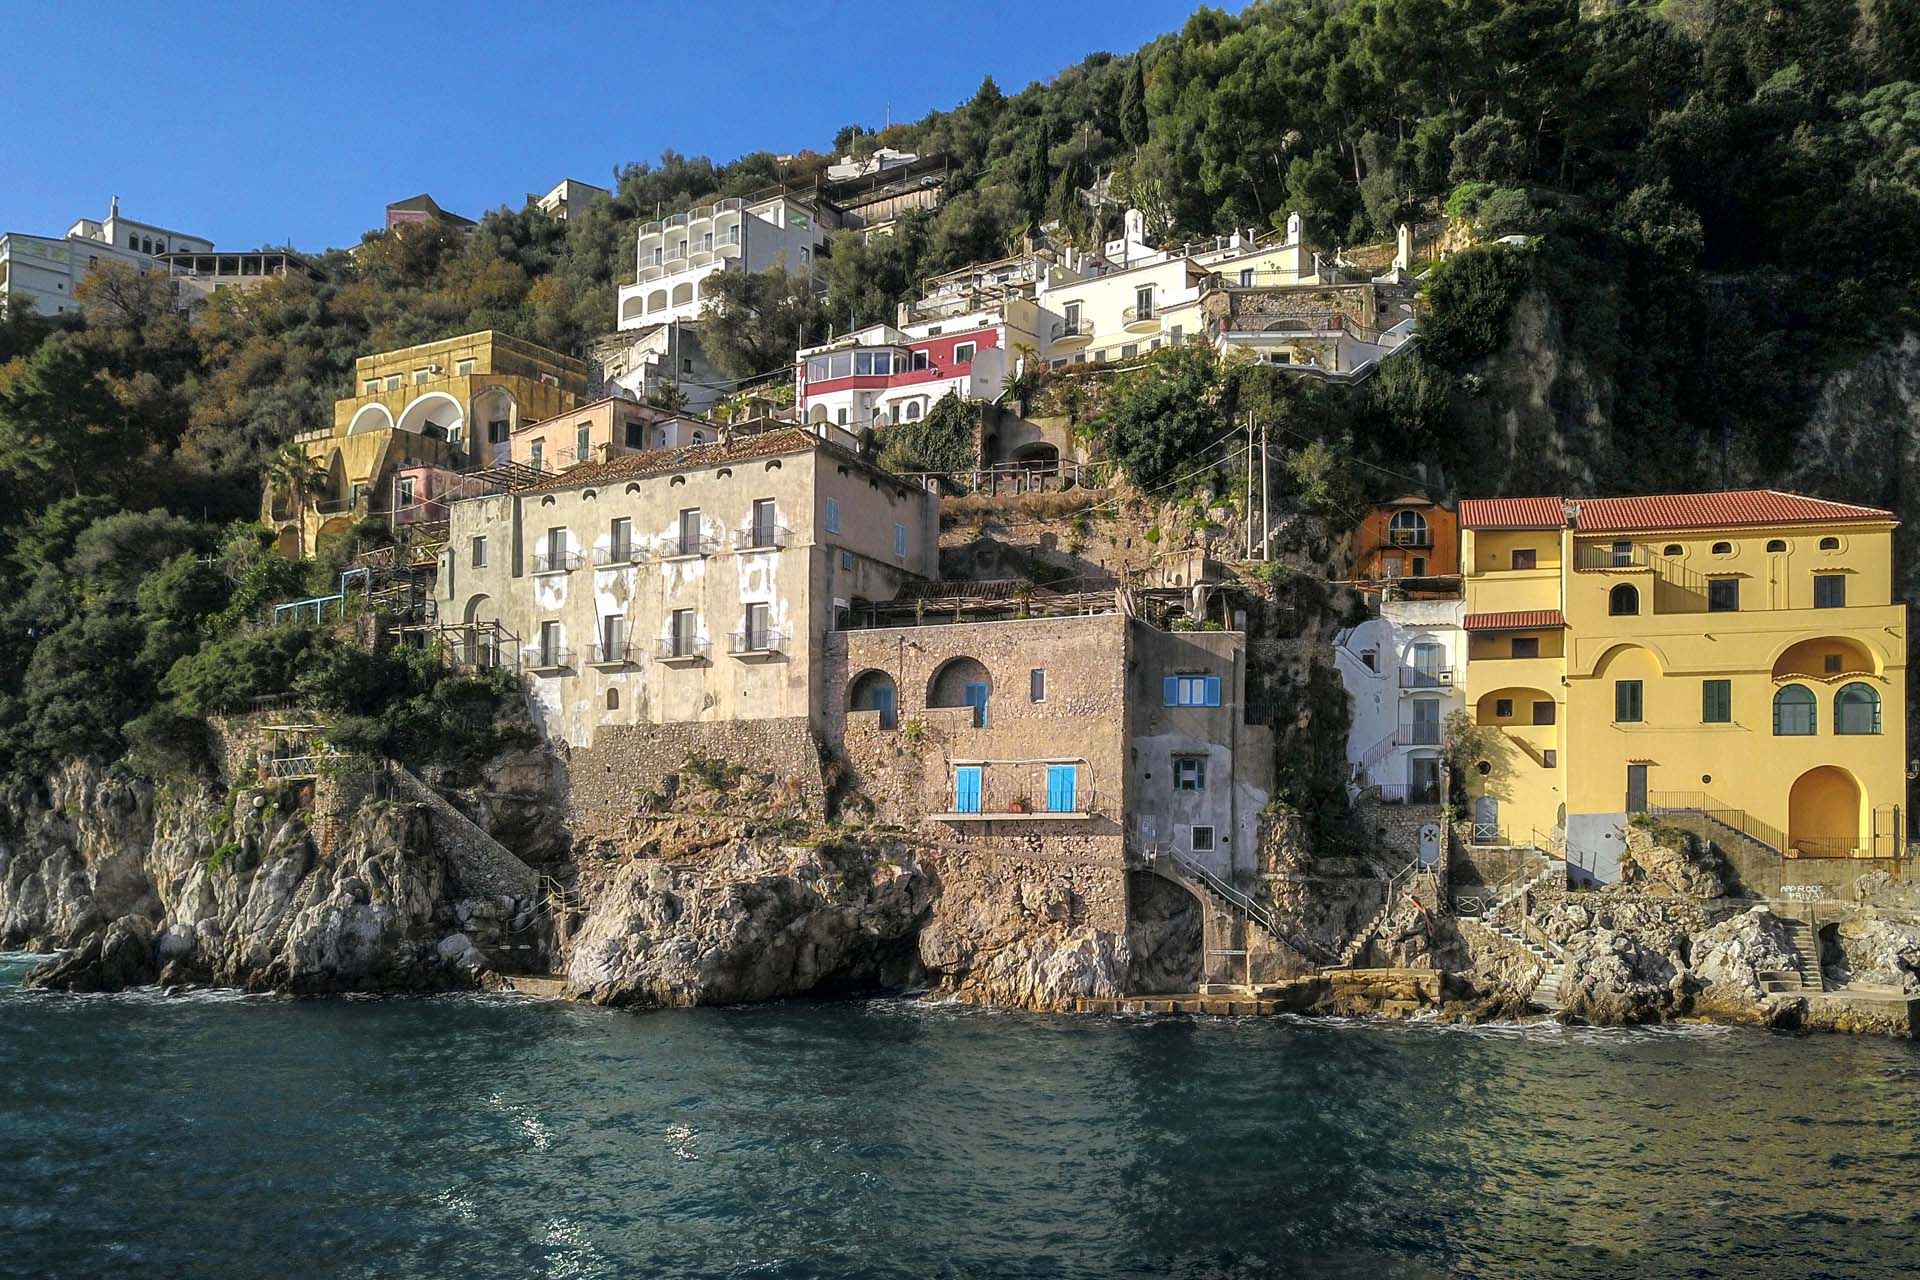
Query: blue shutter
[(1213, 691), (966, 789), (883, 703), (1171, 687), (977, 699), (1061, 779)]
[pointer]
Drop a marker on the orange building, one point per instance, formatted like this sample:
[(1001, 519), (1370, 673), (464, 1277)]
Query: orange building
[(1410, 537)]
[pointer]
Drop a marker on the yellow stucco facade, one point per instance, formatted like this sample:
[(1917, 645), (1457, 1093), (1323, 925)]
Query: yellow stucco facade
[(1747, 657), (454, 403)]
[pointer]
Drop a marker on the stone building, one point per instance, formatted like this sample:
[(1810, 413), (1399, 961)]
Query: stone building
[(1068, 741), (684, 586)]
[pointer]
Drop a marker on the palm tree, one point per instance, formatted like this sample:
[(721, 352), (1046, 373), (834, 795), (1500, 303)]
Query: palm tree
[(289, 470)]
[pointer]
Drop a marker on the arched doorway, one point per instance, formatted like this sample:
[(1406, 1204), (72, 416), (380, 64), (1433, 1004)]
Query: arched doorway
[(961, 682), (874, 691), (481, 638), (1823, 813)]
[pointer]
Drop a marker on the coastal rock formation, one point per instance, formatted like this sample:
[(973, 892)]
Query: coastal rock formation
[(752, 920), (1668, 860), (1729, 958), (136, 887), (1006, 932), (1877, 953)]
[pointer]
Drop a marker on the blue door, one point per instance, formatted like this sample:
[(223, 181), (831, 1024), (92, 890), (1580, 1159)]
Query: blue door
[(977, 699), (882, 699), (1061, 784), (966, 789)]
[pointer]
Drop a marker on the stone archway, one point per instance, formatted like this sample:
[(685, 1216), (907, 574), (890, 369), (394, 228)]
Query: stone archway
[(1166, 936)]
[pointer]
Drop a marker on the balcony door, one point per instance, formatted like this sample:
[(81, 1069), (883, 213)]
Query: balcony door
[(1636, 788), (1428, 660), (966, 788), (1062, 787), (1423, 780), (1426, 722)]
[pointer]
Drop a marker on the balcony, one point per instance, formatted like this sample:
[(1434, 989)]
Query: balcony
[(1426, 677), (1592, 557), (544, 659), (757, 644), (1415, 538), (551, 562), (1071, 337), (688, 547), (619, 557), (1021, 791), (618, 654), (681, 651), (761, 538), (1140, 320), (1418, 733)]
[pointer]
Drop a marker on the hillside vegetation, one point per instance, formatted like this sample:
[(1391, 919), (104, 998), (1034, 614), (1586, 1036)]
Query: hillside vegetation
[(1721, 199)]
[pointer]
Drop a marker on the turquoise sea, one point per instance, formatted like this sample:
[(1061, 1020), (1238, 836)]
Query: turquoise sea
[(219, 1135)]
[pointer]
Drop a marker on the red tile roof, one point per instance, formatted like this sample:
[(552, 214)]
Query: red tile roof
[(1716, 511), (659, 462), (1512, 513), (1521, 620)]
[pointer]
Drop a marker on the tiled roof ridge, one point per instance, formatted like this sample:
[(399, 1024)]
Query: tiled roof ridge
[(1715, 509)]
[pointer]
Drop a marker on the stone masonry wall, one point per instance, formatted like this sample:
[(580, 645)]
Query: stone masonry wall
[(607, 782)]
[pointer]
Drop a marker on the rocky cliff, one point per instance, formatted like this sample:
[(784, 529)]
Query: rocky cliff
[(137, 885)]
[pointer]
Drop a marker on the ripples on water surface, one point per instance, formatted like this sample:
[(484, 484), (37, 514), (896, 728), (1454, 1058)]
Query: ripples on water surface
[(227, 1136)]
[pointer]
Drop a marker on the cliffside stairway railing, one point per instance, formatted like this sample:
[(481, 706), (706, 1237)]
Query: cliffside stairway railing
[(1182, 870), (1717, 815), (1363, 936)]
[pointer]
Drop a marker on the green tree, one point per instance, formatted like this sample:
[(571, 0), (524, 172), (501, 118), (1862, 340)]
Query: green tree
[(60, 423), (753, 322)]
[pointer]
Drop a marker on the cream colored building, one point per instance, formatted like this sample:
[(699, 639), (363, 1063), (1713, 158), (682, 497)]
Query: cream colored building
[(602, 430), (691, 585)]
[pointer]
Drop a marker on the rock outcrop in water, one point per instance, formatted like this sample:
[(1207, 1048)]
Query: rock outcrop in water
[(136, 887)]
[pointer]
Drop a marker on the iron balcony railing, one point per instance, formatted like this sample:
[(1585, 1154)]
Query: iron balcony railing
[(687, 544), (1407, 792), (754, 641), (1426, 677), (556, 561), (1410, 537), (761, 538), (619, 556), (684, 648), (1418, 733), (545, 658), (1717, 811), (608, 655), (1076, 329), (1590, 556), (1022, 787)]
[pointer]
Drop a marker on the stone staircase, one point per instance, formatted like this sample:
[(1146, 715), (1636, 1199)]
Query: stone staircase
[(1807, 978), (1547, 993), (1237, 911), (1398, 885)]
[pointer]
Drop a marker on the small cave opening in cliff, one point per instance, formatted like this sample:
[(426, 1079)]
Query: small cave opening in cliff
[(1165, 931), (878, 967)]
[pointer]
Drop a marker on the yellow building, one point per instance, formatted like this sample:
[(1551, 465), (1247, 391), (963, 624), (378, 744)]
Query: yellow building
[(452, 404), (1733, 654)]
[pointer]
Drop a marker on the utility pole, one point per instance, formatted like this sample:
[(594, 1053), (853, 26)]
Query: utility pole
[(1266, 538), (1249, 484)]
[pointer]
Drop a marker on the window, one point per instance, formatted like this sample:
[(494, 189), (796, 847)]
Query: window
[(1723, 548), (1777, 544), (963, 353), (690, 531), (913, 411), (1673, 549), (706, 242), (1071, 327), (1129, 350), (620, 540), (1830, 663), (1502, 708), (1199, 690), (919, 361), (1716, 702), (583, 444), (680, 634), (463, 369), (833, 515), (1794, 712), (1621, 553), (1173, 336), (393, 382), (764, 530), (1524, 557), (1189, 773), (757, 633), (498, 430), (1829, 591), (1143, 302), (613, 699), (1723, 595), (373, 386), (1037, 685), (636, 435), (1370, 659), (420, 377), (404, 494), (1549, 759), (841, 418), (537, 455), (1246, 277), (1525, 647), (1408, 529), (1545, 711), (549, 655), (1856, 710), (1201, 841), (899, 542), (613, 637), (1623, 601), (1829, 544), (478, 550), (1626, 702), (846, 559)]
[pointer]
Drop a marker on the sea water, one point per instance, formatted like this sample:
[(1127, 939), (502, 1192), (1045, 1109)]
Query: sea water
[(221, 1135)]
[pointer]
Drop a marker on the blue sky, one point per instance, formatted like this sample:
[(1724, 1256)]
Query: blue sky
[(270, 123)]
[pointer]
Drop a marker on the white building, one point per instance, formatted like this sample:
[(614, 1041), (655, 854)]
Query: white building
[(570, 194), (638, 363), (882, 375), (674, 256), (1404, 672), (42, 271)]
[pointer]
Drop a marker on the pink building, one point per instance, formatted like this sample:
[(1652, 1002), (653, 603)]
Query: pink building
[(882, 375)]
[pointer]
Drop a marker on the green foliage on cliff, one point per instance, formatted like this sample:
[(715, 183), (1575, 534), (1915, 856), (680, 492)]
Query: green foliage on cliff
[(947, 439)]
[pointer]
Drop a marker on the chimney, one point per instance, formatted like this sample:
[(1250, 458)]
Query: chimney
[(113, 207)]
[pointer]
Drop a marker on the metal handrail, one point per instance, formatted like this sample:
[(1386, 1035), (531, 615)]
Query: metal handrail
[(608, 654), (1422, 678), (1243, 902), (1736, 820), (682, 545), (619, 557), (762, 538), (550, 659), (745, 642), (556, 561), (691, 648)]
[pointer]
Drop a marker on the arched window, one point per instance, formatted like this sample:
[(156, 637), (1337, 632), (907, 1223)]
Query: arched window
[(1407, 529), (613, 699), (874, 691), (1673, 549), (1856, 709), (1623, 601), (1794, 713), (1723, 548), (1777, 544), (1829, 544), (913, 411)]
